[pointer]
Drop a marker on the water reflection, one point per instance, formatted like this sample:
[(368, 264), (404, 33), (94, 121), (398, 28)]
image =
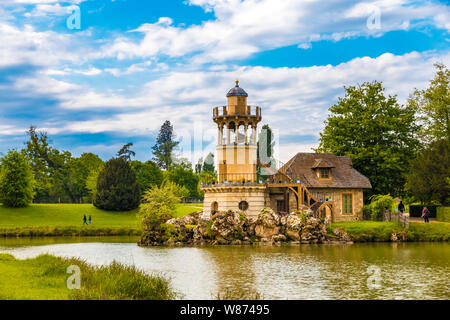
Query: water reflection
[(408, 270)]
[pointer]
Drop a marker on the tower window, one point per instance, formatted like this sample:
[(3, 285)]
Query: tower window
[(243, 205)]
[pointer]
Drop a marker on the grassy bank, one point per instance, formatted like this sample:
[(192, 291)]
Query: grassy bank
[(372, 231), (45, 277), (67, 220)]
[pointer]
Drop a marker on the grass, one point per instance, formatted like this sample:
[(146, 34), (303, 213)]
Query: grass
[(45, 277), (67, 219), (369, 231)]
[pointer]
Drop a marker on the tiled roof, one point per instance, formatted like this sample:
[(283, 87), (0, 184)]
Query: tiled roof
[(343, 175)]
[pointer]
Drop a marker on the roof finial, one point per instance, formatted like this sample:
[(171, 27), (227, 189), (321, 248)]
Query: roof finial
[(237, 83)]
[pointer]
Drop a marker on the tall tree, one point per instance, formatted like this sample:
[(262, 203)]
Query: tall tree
[(264, 153), (126, 153), (430, 173), (377, 133), (165, 144), (117, 188), (434, 104), (16, 180)]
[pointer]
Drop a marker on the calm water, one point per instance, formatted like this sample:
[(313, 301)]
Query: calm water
[(407, 271)]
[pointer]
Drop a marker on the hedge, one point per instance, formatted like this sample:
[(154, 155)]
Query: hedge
[(443, 214), (416, 210)]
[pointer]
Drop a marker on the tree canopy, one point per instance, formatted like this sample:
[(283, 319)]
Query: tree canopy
[(16, 180), (165, 144), (377, 133)]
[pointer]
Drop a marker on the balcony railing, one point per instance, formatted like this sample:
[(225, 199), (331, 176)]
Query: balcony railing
[(242, 179)]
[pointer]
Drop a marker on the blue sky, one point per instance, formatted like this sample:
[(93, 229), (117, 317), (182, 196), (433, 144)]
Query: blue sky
[(133, 64)]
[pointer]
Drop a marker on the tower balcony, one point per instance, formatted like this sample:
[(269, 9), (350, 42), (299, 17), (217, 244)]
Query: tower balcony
[(221, 113)]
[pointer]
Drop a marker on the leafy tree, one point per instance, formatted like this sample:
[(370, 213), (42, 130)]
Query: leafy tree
[(48, 165), (16, 180), (165, 144), (159, 205), (148, 174), (264, 153), (428, 179), (199, 166), (117, 188), (184, 177), (125, 152), (434, 104), (377, 133), (180, 191)]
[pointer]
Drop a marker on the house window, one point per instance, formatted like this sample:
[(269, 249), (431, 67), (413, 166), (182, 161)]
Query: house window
[(347, 205), (324, 173)]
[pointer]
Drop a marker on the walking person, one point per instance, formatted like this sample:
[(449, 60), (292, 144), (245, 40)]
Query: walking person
[(84, 220), (425, 214), (90, 220), (401, 207)]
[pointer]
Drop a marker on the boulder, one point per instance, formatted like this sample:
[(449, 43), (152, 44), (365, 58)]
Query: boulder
[(342, 234), (292, 226), (189, 219), (266, 225), (226, 226)]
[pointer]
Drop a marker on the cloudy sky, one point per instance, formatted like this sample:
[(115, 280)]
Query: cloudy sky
[(132, 64)]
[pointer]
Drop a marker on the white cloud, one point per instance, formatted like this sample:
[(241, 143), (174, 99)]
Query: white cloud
[(242, 28), (294, 101)]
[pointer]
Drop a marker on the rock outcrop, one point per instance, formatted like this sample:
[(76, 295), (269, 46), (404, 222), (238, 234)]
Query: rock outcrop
[(231, 227)]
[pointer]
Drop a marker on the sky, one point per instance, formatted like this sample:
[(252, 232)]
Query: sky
[(97, 74)]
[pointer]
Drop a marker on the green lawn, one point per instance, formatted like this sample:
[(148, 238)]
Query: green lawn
[(45, 277), (366, 231), (68, 218)]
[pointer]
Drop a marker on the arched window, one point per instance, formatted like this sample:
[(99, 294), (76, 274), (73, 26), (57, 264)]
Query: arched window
[(243, 205), (214, 207)]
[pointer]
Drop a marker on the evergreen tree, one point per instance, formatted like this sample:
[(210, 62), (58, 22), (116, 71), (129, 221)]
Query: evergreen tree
[(165, 144), (126, 153), (208, 164), (16, 180), (117, 188), (264, 153)]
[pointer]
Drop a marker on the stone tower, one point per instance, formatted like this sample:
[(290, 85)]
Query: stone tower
[(236, 145)]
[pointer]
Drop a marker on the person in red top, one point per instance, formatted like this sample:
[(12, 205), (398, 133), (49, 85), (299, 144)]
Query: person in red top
[(425, 214)]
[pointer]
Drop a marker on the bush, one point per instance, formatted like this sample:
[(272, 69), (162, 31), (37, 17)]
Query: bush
[(158, 207), (117, 188), (378, 204), (443, 214), (16, 180)]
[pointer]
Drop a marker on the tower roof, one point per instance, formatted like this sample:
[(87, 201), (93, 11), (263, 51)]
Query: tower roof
[(237, 91)]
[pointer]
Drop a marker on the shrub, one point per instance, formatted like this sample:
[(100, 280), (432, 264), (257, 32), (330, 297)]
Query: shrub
[(443, 214), (378, 204), (117, 188), (158, 207), (16, 180)]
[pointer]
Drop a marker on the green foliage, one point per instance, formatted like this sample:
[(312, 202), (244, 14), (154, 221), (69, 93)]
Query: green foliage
[(184, 177), (264, 152), (158, 207), (165, 144), (180, 191), (443, 214), (125, 152), (117, 188), (377, 133), (45, 276), (434, 104), (148, 174), (16, 180), (429, 174), (378, 204)]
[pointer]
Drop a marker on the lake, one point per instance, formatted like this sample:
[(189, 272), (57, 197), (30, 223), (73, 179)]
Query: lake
[(358, 271)]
